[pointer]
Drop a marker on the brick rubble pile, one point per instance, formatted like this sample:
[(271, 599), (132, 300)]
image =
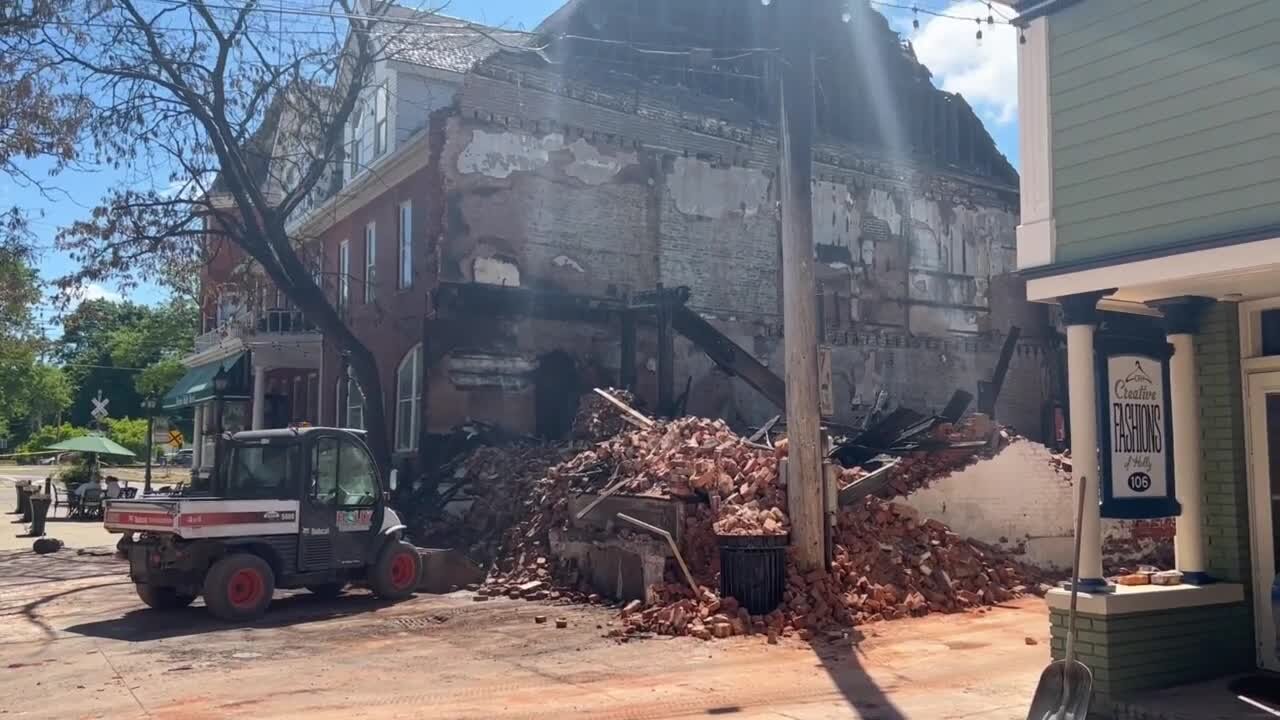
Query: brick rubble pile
[(887, 564), (685, 458)]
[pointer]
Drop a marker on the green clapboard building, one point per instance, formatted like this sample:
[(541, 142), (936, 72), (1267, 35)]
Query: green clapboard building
[(1150, 149)]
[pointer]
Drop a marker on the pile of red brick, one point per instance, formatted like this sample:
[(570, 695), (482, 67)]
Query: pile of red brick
[(686, 457), (887, 564)]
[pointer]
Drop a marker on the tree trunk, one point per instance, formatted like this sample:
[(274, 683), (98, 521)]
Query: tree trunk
[(316, 307)]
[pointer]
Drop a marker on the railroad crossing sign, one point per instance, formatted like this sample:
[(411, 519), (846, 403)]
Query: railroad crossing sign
[(99, 411), (175, 439)]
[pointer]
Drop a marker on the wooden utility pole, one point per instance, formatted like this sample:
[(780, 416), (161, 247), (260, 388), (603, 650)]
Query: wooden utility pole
[(805, 492)]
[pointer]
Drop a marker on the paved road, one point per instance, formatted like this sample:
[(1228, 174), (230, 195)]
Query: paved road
[(76, 643)]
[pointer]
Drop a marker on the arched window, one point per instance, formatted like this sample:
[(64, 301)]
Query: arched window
[(408, 399), (354, 406)]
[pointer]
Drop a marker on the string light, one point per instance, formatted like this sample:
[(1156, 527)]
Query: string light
[(915, 17), (979, 21)]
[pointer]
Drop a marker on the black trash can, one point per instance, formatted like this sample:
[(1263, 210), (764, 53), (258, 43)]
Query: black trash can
[(17, 495), (25, 493), (39, 512), (753, 570)]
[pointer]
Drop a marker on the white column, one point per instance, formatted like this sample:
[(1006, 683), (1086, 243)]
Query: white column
[(197, 437), (259, 396), (1082, 384), (1185, 404)]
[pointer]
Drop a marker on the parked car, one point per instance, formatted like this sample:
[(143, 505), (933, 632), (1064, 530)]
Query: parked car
[(182, 458)]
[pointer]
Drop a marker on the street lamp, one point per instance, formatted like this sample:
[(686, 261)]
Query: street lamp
[(149, 404), (221, 381)]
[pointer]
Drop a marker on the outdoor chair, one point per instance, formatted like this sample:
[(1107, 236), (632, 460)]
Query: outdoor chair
[(61, 497), (91, 503)]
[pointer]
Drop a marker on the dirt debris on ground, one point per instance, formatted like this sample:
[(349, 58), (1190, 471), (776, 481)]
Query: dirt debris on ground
[(888, 563)]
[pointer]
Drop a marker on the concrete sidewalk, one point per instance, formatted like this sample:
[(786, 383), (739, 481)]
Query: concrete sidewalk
[(75, 534)]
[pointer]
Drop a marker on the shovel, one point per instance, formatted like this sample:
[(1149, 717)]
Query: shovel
[(1066, 686)]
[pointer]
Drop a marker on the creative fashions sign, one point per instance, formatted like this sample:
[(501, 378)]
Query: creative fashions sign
[(1135, 434)]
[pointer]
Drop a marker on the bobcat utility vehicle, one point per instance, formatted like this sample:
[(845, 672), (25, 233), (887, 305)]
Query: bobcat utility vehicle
[(292, 508)]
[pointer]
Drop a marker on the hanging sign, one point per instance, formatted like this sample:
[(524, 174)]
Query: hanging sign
[(1135, 433)]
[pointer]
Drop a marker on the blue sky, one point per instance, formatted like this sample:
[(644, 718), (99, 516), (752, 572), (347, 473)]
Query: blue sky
[(984, 72)]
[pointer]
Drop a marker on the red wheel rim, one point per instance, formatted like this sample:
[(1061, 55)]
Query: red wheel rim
[(245, 588), (402, 570)]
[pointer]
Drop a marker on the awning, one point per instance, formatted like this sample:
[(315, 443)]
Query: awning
[(197, 385)]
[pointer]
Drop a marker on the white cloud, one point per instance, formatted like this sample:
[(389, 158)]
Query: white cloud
[(985, 73), (94, 291)]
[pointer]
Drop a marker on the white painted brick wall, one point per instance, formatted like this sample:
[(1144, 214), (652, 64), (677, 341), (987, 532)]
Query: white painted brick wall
[(1017, 499)]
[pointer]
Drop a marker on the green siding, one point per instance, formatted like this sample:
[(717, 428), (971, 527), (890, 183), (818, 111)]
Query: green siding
[(1163, 122)]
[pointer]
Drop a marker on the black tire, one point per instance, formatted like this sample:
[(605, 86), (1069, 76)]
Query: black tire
[(239, 587), (162, 598), (327, 590), (395, 574)]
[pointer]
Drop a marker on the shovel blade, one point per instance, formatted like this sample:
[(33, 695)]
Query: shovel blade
[(1064, 692)]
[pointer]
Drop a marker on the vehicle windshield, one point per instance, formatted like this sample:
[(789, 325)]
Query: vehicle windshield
[(263, 471)]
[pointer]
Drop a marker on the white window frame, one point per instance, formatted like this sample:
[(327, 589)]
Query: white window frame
[(344, 274), (370, 261), (353, 156), (411, 396), (406, 244), (313, 398), (380, 101), (353, 409), (1259, 374)]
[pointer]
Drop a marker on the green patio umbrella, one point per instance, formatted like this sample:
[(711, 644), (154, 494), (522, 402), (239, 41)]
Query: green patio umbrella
[(92, 444)]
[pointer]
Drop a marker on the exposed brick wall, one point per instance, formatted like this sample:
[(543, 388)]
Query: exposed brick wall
[(594, 213), (392, 324), (1223, 435)]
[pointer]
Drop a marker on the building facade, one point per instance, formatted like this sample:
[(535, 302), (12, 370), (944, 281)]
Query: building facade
[(543, 197), (1149, 175)]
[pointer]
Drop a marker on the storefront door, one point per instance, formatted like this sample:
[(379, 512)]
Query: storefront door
[(1264, 494)]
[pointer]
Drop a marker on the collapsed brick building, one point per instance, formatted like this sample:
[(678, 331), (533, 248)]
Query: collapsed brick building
[(555, 180)]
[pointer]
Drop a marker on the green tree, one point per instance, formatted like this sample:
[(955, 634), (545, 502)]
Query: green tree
[(200, 88), (30, 390), (129, 432), (109, 347), (159, 377), (50, 434)]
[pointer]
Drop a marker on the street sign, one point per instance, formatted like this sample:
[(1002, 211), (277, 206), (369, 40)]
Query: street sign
[(826, 398), (99, 411), (160, 430), (175, 439)]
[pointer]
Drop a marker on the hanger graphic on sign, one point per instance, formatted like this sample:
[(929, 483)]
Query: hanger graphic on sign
[(1138, 373)]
